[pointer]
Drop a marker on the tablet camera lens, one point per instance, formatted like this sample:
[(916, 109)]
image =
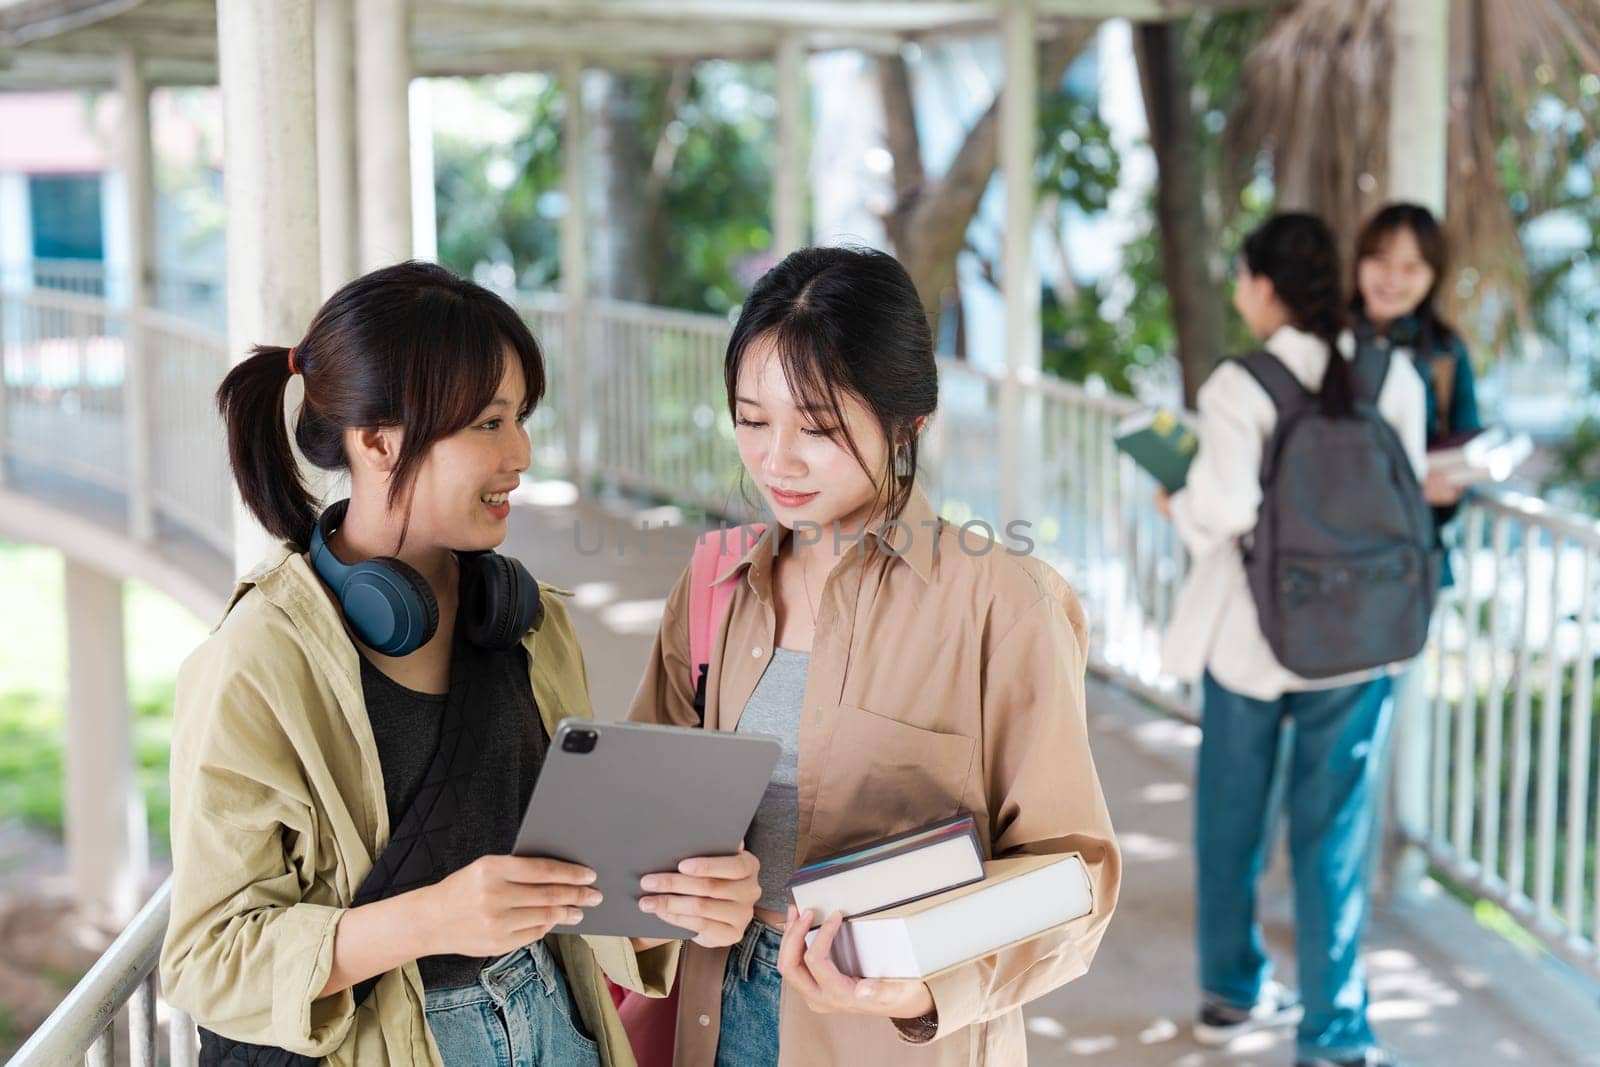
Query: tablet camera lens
[(579, 741)]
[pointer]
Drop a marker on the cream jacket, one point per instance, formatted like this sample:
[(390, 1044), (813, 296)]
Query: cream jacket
[(940, 680)]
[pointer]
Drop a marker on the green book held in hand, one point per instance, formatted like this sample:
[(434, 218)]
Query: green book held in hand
[(1159, 442)]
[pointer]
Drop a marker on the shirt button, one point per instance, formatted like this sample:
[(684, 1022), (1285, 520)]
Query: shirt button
[(755, 653), (705, 1020)]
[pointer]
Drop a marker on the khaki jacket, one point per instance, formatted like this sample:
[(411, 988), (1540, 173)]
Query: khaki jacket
[(278, 812), (939, 681)]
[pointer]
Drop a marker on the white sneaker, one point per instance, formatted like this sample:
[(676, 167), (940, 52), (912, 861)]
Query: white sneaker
[(1220, 1023)]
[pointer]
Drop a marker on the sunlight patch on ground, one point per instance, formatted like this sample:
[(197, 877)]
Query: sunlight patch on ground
[(1164, 793), (633, 616), (591, 595), (1147, 847)]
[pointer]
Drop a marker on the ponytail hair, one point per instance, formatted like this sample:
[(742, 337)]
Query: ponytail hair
[(250, 400), (411, 346), (1296, 251)]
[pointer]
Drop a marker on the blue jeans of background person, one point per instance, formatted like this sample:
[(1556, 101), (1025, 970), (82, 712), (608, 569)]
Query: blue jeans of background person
[(1334, 777), (519, 1013), (752, 989)]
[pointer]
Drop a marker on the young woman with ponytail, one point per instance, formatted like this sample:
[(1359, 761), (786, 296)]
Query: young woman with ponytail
[(354, 744), (1287, 290)]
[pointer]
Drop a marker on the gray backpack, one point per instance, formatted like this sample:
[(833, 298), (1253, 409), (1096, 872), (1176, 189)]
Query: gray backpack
[(1342, 563)]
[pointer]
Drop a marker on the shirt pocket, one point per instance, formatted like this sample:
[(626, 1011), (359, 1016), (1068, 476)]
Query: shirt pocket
[(882, 776)]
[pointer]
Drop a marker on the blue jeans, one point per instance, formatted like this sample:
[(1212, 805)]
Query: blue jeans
[(1334, 776), (520, 1013), (751, 992)]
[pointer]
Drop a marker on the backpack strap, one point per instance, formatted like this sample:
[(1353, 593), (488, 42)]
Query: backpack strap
[(709, 599), (1371, 368), (1279, 382)]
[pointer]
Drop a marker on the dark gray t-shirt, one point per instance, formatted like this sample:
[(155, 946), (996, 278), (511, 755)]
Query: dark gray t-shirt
[(407, 724)]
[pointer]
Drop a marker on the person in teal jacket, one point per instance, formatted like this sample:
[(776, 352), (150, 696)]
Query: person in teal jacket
[(1400, 260)]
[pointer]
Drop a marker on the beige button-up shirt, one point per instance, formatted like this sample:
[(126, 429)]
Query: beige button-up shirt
[(941, 679), (278, 812)]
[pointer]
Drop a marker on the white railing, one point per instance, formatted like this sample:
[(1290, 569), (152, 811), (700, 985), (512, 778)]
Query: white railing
[(83, 1026), (1510, 802), (1510, 793)]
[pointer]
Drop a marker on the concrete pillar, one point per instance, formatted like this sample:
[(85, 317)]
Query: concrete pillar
[(138, 175), (336, 141), (264, 53), (424, 203), (1019, 415), (1419, 114), (574, 271), (383, 130), (1419, 102), (789, 169), (106, 836)]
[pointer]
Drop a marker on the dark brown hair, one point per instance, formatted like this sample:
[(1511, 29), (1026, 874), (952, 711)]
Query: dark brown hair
[(1429, 235), (847, 321), (1297, 252), (410, 346)]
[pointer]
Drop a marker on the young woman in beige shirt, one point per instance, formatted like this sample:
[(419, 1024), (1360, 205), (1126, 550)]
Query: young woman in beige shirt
[(913, 671)]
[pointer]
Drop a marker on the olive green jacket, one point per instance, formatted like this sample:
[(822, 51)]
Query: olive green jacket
[(278, 812)]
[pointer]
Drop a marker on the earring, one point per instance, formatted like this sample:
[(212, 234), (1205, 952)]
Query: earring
[(902, 462)]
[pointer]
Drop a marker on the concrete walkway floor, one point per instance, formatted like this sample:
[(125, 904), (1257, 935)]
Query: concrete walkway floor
[(1444, 991)]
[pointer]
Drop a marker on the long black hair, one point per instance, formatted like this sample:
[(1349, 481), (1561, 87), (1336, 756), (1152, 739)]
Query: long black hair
[(411, 345), (847, 321), (1296, 251)]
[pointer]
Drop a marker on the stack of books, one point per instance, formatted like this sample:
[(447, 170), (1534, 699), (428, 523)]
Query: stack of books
[(1488, 455), (920, 902)]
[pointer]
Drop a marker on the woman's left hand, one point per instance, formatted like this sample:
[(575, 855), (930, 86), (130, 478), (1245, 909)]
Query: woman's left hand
[(827, 990), (1163, 503), (713, 896)]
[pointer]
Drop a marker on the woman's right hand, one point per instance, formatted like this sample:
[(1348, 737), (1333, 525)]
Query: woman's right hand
[(499, 903)]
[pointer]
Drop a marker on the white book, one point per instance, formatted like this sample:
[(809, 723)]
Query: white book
[(953, 861), (1492, 455), (1019, 897)]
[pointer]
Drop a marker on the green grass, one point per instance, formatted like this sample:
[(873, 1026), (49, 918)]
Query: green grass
[(33, 681)]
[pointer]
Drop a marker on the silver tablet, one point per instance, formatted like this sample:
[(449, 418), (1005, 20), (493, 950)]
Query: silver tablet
[(628, 800)]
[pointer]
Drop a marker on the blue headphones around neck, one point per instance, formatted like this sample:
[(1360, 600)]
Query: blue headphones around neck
[(392, 609)]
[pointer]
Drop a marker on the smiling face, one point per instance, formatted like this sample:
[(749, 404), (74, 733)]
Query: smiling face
[(459, 496), (800, 458), (1395, 278)]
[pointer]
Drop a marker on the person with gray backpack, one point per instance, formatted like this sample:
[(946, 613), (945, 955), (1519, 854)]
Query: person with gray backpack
[(1313, 578)]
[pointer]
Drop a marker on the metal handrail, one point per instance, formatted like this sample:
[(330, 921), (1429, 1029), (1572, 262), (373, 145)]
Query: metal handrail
[(81, 1025)]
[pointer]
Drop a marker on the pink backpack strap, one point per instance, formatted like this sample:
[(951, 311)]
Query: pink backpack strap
[(709, 600)]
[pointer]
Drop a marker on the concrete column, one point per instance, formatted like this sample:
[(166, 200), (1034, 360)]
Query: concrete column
[(106, 836), (336, 141), (1419, 102), (573, 396), (1019, 415), (383, 130), (424, 203), (138, 174), (1419, 114), (264, 53), (789, 169)]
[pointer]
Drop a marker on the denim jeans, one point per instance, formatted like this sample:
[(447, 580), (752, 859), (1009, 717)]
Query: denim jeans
[(751, 992), (520, 1013), (1335, 772)]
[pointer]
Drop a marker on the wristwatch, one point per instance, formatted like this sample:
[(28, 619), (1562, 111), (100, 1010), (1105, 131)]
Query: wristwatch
[(920, 1030)]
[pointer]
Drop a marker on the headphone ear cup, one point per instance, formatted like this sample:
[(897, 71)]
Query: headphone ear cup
[(496, 602), (413, 613)]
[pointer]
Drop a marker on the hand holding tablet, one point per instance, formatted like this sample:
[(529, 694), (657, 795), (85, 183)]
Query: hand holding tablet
[(630, 801)]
